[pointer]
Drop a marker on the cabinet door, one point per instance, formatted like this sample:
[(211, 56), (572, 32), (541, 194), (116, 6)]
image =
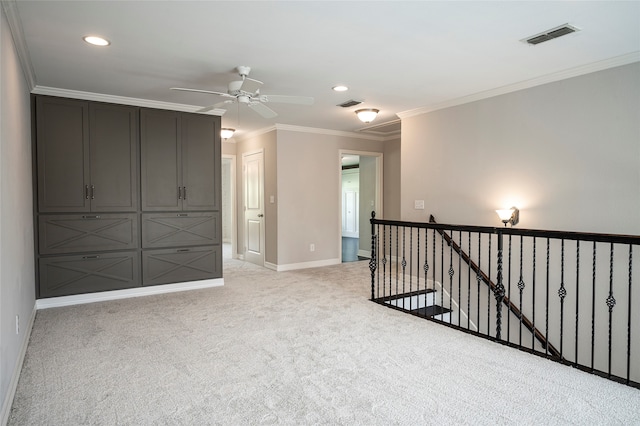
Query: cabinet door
[(62, 145), (161, 170), (66, 275), (201, 162), (79, 233), (113, 141), (179, 265), (180, 229)]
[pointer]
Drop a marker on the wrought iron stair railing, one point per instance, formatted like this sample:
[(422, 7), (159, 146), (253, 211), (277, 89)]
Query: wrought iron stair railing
[(566, 296)]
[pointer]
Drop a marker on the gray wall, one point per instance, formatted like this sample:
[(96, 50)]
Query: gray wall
[(566, 153), (17, 275)]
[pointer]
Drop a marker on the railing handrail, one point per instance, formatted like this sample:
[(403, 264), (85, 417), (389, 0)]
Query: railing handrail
[(561, 235), (494, 287)]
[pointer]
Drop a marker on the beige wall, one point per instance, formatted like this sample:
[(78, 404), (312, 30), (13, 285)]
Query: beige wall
[(367, 197), (229, 148), (309, 193), (392, 177), (566, 153), (17, 270)]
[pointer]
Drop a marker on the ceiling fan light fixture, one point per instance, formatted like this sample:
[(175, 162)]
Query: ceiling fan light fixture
[(367, 115), (96, 40), (226, 133), (340, 88)]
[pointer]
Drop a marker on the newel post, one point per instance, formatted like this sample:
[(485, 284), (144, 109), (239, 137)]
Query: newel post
[(372, 261), (499, 290)]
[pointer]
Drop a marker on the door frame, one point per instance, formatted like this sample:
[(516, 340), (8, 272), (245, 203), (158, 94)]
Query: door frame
[(244, 207), (233, 225), (379, 187)]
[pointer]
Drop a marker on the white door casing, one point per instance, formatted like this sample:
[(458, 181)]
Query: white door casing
[(253, 183), (379, 179)]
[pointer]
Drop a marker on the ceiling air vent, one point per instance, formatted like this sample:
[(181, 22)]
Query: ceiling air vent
[(350, 103), (551, 34)]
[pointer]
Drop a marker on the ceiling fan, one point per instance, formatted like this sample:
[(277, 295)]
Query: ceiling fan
[(247, 91)]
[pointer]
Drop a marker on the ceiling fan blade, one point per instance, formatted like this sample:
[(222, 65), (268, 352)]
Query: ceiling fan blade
[(299, 100), (250, 85), (262, 109), (210, 92), (219, 104), (205, 109)]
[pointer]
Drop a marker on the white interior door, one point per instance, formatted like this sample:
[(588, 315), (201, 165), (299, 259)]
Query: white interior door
[(253, 176)]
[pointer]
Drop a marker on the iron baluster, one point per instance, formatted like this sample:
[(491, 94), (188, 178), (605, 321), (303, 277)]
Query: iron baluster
[(629, 316), (459, 279), (611, 302), (499, 291), (521, 286), (593, 307), (489, 292), (469, 286), (577, 298), (451, 273), (372, 261), (546, 309), (562, 293), (479, 279), (509, 293), (533, 292)]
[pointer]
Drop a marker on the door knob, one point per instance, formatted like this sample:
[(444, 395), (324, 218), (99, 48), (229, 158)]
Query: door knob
[(260, 215)]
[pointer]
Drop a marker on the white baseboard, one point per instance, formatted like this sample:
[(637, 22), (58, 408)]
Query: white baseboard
[(351, 234), (306, 265), (271, 266), (364, 253), (55, 302), (15, 376)]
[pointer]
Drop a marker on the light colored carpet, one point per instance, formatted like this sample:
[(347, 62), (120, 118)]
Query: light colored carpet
[(302, 347)]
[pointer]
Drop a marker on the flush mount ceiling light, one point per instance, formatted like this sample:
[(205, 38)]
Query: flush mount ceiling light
[(226, 133), (340, 88), (367, 115), (96, 41)]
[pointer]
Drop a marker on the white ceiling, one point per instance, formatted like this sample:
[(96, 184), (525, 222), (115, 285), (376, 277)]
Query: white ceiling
[(395, 56)]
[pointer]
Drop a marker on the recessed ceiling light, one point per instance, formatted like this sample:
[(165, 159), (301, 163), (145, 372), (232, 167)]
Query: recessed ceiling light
[(340, 88), (96, 41)]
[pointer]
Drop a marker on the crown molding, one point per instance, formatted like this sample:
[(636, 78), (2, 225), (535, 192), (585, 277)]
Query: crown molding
[(314, 130), (310, 130), (549, 78), (15, 27), (123, 100)]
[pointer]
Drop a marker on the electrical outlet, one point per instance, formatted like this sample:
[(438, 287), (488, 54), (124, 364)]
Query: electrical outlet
[(312, 247), (17, 324), (418, 204)]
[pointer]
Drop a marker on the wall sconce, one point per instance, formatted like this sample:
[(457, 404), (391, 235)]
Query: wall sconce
[(511, 216), (226, 133), (367, 115)]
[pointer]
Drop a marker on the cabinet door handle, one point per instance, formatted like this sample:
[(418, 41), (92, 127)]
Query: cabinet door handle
[(91, 257), (86, 192), (93, 216), (93, 192), (184, 192), (179, 193), (182, 250)]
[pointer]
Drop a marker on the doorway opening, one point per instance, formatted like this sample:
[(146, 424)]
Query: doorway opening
[(360, 193), (229, 229)]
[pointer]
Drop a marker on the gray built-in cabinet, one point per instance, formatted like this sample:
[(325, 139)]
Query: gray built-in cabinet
[(126, 196)]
